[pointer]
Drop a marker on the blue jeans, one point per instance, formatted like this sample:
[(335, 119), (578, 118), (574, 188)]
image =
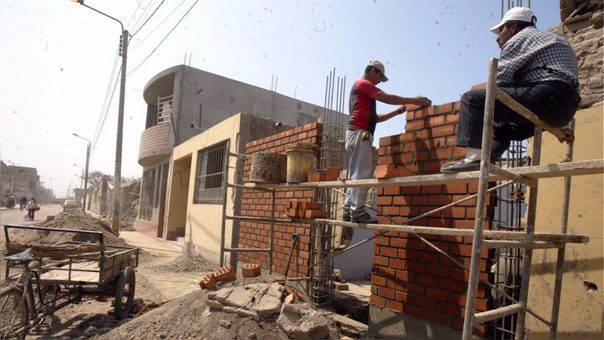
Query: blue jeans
[(360, 153)]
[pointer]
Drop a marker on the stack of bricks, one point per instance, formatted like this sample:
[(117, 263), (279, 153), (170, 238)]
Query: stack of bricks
[(257, 203), (224, 273), (302, 209), (408, 276)]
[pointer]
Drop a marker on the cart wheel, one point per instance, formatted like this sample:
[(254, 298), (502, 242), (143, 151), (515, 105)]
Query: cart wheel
[(13, 313), (124, 293)]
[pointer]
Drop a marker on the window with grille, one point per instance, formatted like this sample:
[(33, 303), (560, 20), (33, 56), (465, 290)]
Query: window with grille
[(209, 181), (164, 112)]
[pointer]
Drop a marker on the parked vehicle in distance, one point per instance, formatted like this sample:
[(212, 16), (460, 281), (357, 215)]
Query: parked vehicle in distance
[(70, 204)]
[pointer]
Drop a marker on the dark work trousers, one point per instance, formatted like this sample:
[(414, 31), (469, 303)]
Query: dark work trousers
[(554, 102)]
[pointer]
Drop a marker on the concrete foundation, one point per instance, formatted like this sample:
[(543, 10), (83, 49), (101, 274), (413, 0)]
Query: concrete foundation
[(385, 323)]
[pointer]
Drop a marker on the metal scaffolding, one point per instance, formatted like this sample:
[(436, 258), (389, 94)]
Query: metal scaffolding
[(507, 238)]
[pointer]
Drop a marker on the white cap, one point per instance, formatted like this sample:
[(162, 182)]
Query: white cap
[(515, 14), (377, 64)]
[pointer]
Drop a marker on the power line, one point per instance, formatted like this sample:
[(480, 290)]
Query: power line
[(158, 26), (138, 6), (151, 16), (148, 7), (103, 118), (164, 39)]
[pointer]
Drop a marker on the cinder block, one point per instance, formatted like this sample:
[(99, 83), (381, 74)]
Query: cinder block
[(208, 282)]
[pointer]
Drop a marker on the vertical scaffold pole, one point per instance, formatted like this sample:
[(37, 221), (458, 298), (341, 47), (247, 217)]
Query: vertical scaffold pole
[(272, 232), (561, 250), (530, 234), (225, 183), (487, 135)]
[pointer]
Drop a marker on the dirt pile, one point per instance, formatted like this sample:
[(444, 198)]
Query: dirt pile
[(186, 263), (190, 318), (70, 219)]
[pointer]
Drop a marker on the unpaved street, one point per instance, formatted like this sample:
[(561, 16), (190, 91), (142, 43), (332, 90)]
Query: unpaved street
[(91, 318), (15, 216)]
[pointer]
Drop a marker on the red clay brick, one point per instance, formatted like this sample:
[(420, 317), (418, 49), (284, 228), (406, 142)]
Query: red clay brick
[(378, 301), (208, 282), (378, 280), (394, 306), (386, 293), (445, 130)]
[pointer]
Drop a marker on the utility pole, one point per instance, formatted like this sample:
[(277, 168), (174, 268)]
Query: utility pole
[(117, 181), (85, 175), (117, 177)]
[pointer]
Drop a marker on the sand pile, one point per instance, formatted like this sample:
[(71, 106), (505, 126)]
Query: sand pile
[(71, 219)]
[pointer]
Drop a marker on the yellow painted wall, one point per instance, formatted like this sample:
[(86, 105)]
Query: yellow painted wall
[(202, 221), (581, 311)]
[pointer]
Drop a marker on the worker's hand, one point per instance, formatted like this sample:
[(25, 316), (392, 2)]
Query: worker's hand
[(569, 136), (422, 101), (401, 109)]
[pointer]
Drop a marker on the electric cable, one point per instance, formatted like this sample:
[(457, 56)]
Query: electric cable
[(156, 27), (146, 21), (98, 132), (164, 39)]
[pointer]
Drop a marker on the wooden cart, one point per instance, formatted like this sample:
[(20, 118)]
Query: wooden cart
[(68, 271)]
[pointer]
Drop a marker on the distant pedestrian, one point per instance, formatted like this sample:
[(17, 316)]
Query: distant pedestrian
[(32, 207), (22, 202)]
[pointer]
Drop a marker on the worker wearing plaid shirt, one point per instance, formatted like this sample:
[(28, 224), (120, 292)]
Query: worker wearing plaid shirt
[(536, 68)]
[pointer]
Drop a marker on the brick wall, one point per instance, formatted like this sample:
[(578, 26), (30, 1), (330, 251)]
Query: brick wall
[(257, 203), (408, 276)]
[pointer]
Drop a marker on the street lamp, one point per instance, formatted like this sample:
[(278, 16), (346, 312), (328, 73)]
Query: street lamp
[(117, 178), (85, 170)]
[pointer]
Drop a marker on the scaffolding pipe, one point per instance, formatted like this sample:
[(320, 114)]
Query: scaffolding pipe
[(530, 231), (487, 135), (406, 223), (225, 182), (561, 252)]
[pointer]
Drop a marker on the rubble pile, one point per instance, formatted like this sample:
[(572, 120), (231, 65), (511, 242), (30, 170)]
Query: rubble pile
[(263, 300), (128, 218), (257, 301)]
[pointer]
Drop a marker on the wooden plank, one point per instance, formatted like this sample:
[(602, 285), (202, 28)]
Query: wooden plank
[(489, 234), (526, 113), (504, 173), (578, 168), (521, 244)]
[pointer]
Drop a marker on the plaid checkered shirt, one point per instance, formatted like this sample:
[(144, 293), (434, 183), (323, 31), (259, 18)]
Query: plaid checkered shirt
[(533, 56)]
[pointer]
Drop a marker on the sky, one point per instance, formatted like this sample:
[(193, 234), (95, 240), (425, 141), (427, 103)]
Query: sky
[(59, 62)]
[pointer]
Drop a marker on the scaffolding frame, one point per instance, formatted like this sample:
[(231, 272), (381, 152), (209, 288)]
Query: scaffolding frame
[(526, 240)]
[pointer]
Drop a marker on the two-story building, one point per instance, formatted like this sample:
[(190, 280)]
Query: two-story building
[(182, 102)]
